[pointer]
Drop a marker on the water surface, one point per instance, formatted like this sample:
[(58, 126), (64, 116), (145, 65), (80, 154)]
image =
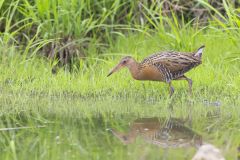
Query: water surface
[(59, 127)]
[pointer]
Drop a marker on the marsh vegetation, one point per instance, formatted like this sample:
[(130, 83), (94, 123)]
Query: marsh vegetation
[(57, 103)]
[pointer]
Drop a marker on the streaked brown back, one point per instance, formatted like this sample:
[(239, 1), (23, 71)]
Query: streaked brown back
[(174, 64)]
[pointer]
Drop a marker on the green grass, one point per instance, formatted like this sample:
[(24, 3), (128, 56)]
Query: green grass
[(218, 74), (76, 108)]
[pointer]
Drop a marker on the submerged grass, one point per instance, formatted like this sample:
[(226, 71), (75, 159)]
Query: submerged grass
[(76, 128)]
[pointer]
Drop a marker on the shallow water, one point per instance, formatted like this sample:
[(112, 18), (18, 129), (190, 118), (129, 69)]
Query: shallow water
[(75, 128)]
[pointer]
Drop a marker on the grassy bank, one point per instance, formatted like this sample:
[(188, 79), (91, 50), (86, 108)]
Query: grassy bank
[(218, 75)]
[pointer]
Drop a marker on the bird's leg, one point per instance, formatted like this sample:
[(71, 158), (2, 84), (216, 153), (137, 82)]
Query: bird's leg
[(189, 82), (171, 89)]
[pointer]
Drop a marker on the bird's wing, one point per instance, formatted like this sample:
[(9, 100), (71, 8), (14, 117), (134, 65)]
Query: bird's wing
[(174, 63)]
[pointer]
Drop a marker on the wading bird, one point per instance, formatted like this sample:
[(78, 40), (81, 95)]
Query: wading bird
[(163, 66)]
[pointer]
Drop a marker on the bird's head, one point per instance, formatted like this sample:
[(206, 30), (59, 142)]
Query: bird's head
[(125, 62)]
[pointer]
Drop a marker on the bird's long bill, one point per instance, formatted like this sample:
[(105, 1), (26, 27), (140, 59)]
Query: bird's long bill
[(115, 69)]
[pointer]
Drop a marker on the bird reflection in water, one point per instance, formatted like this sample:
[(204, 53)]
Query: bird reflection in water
[(161, 132)]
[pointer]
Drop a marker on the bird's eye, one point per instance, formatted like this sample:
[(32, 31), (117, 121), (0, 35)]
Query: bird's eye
[(124, 61)]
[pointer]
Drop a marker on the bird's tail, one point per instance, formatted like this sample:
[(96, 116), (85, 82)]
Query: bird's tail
[(199, 52)]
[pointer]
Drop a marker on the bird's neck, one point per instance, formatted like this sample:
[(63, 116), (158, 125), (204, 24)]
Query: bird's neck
[(134, 69)]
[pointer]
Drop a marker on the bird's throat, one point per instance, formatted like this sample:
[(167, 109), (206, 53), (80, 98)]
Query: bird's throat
[(134, 70)]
